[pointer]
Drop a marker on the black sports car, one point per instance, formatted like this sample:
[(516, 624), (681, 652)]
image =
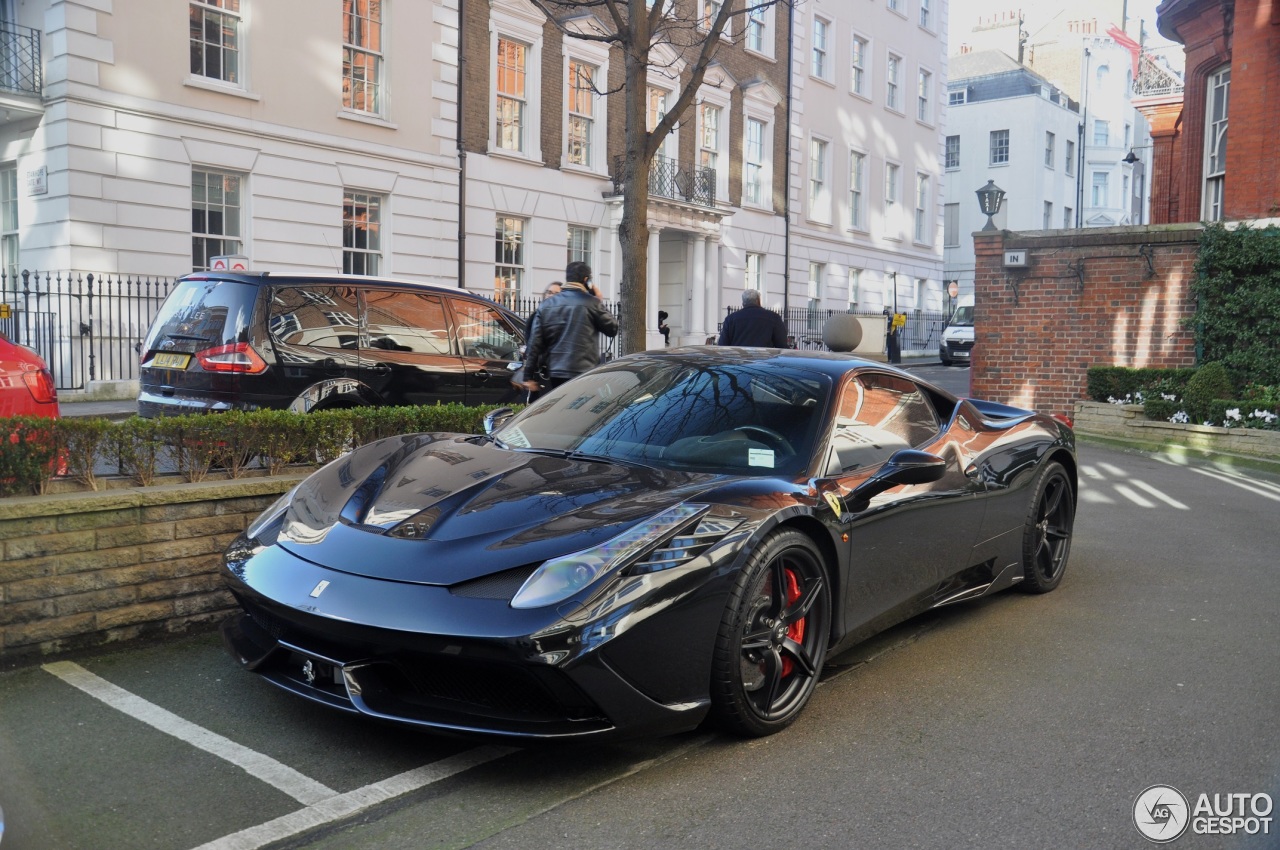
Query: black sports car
[(677, 534)]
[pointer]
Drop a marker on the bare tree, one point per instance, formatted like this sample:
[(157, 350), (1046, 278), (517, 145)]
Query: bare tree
[(693, 31)]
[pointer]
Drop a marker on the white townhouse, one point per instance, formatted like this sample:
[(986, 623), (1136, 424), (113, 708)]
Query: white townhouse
[(307, 135), (866, 135), (1009, 125)]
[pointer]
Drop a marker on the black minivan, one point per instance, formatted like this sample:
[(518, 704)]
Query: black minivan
[(237, 341)]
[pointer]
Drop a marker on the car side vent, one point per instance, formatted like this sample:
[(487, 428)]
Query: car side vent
[(685, 545), (501, 585)]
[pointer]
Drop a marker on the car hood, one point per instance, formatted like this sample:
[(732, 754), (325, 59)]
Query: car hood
[(442, 509)]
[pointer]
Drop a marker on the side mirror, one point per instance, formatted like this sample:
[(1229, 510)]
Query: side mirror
[(495, 419), (908, 466)]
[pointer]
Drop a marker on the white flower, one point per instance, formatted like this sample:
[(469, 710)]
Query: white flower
[(1168, 396), (1234, 414), (1180, 417)]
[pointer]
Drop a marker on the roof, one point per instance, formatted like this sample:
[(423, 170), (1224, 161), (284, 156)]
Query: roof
[(981, 63)]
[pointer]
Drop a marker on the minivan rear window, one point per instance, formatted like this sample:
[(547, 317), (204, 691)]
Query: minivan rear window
[(200, 314)]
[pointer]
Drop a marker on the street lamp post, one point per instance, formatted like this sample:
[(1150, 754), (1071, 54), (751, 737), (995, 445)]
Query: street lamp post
[(990, 197)]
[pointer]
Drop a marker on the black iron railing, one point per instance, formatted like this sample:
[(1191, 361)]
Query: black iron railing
[(86, 327), (804, 327), (524, 307), (668, 179), (20, 70)]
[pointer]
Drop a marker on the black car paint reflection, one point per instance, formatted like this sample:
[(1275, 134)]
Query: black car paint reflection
[(676, 535)]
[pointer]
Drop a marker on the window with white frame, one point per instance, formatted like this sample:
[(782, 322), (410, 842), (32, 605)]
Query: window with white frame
[(1128, 134), (580, 135), (581, 245), (1048, 216), (893, 83), (1069, 161), (754, 168), (951, 226), (655, 112), (855, 287), (216, 215), (1049, 141), (1101, 132), (924, 96), (952, 157), (892, 194), (710, 11), (858, 190), (215, 40), (1215, 144), (956, 98), (999, 147), (1067, 220), (510, 85), (819, 192), (926, 19), (758, 30), (754, 278), (9, 226), (894, 5), (361, 233), (922, 209), (819, 66), (509, 263), (362, 55), (817, 275), (858, 81), (1099, 196), (709, 135)]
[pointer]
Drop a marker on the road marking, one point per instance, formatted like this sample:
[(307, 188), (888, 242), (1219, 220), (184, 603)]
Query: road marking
[(345, 805), (1094, 497), (1091, 472), (1112, 470), (1133, 497), (301, 788), (1168, 500), (1257, 488)]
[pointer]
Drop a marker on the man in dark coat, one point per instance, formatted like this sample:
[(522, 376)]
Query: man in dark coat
[(753, 325), (565, 334)]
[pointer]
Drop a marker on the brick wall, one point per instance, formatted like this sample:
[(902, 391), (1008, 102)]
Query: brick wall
[(1104, 297), (85, 569)]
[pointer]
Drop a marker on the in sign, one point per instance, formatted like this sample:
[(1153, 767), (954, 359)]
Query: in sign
[(1015, 258)]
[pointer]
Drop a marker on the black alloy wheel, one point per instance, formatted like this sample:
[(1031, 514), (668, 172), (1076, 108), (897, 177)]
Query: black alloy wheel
[(773, 637), (1046, 538)]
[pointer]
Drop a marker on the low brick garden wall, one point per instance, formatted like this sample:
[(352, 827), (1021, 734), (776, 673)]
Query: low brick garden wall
[(1127, 422), (79, 570)]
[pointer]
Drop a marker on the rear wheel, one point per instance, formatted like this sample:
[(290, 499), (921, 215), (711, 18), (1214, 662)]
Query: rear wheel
[(1046, 537), (772, 638)]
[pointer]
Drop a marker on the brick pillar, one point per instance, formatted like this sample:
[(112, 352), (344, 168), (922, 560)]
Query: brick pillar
[(988, 250), (1164, 115)]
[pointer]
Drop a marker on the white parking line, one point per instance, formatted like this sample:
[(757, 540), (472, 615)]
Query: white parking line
[(350, 803), (265, 768), (1134, 497), (1258, 488), (1168, 500)]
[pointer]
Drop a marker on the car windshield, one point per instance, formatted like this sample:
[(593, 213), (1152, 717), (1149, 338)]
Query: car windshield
[(962, 315), (695, 413)]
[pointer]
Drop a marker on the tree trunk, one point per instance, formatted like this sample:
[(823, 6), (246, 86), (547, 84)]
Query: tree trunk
[(633, 231)]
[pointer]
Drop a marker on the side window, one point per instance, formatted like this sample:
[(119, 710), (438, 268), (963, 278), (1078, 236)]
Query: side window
[(484, 332), (879, 415), (323, 316), (397, 320)]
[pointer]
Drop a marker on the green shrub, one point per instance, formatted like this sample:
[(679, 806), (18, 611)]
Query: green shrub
[(1105, 383), (1210, 383), (1237, 291), (1159, 409), (29, 459)]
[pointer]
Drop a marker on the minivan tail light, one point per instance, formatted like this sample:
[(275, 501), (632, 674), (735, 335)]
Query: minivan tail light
[(40, 383), (238, 357)]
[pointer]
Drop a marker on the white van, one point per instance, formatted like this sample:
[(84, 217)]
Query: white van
[(957, 337)]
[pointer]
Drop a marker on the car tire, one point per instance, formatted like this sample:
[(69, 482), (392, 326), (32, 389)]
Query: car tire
[(946, 362), (1046, 537), (772, 638)]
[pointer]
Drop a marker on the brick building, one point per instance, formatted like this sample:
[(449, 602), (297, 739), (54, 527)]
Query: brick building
[(1232, 47)]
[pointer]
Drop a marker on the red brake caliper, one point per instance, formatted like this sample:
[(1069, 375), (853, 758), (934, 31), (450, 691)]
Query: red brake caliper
[(795, 631)]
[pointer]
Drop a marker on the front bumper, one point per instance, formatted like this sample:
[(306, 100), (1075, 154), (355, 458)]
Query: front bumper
[(428, 657)]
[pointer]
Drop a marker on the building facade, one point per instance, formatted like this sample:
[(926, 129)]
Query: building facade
[(1009, 125)]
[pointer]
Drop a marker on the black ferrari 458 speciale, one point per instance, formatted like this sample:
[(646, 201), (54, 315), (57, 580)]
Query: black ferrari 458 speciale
[(677, 535)]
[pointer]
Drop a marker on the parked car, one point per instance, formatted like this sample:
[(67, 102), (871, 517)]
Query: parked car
[(956, 345), (225, 341), (26, 385), (677, 534)]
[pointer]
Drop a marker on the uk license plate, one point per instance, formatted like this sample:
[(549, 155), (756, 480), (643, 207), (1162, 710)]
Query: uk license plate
[(171, 361)]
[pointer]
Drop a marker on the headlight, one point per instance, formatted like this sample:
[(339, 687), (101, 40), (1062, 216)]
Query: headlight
[(560, 578), (271, 514)]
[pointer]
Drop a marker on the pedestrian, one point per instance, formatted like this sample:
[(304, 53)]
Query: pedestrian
[(565, 335), (662, 327), (517, 377), (753, 325)]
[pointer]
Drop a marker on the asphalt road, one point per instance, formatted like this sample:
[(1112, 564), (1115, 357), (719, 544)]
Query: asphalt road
[(1018, 722)]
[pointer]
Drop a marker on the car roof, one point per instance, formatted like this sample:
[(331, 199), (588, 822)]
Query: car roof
[(831, 363), (259, 278)]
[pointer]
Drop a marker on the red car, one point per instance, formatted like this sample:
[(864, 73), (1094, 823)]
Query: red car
[(26, 385)]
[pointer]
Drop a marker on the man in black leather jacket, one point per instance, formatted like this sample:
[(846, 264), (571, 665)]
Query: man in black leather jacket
[(564, 337)]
